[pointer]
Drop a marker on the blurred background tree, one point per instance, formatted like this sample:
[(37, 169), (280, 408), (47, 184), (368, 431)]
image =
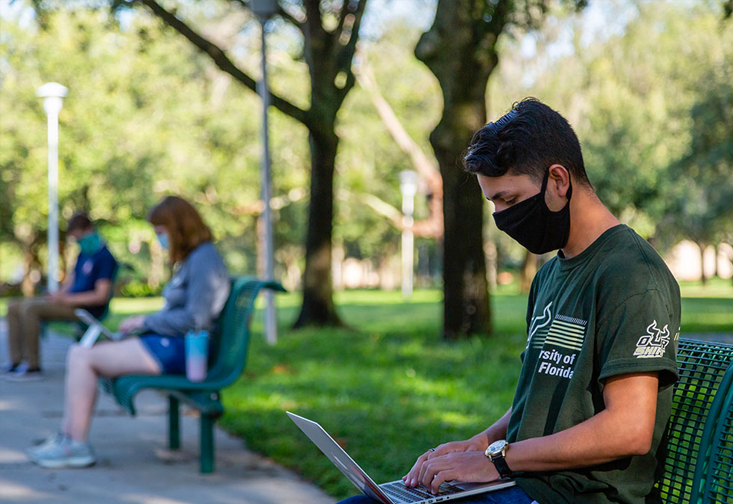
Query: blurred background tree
[(646, 85), (329, 31)]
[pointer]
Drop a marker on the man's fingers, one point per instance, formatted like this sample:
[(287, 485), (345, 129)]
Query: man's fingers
[(412, 477), (439, 479), (429, 471)]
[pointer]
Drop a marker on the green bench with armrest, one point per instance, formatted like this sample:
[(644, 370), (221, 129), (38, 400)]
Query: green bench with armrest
[(716, 475), (229, 354), (694, 429)]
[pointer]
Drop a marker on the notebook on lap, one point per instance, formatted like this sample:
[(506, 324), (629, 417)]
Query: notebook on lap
[(389, 493)]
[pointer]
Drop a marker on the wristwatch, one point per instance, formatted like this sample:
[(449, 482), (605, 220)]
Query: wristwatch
[(496, 452)]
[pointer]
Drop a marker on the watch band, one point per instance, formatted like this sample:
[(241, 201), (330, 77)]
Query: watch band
[(501, 466)]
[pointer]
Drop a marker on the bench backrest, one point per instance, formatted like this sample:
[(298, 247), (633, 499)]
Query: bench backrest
[(717, 477), (232, 333), (702, 368)]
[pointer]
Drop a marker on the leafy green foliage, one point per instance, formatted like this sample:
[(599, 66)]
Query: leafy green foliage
[(146, 116), (649, 103)]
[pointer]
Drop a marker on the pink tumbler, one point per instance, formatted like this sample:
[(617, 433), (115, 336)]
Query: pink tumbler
[(197, 355)]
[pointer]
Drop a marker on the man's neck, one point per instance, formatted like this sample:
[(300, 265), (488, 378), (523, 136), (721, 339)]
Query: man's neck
[(589, 219)]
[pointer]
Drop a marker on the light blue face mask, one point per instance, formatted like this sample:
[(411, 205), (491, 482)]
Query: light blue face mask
[(163, 240), (90, 243)]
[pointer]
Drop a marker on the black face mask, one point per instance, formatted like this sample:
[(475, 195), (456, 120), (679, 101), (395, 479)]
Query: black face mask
[(533, 225)]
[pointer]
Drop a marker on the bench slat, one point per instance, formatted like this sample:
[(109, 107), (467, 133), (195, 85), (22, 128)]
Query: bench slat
[(718, 480), (702, 368)]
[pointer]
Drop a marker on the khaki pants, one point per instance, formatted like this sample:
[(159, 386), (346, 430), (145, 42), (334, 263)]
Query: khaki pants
[(24, 324)]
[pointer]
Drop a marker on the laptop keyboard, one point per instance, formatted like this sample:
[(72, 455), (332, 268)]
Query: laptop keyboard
[(398, 490)]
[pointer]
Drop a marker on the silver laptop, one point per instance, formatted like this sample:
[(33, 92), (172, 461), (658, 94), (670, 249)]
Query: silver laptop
[(389, 493), (95, 329)]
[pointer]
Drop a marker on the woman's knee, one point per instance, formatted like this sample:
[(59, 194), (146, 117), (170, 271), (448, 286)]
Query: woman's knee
[(78, 356)]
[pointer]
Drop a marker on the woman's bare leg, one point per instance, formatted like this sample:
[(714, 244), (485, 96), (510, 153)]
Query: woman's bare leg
[(85, 365)]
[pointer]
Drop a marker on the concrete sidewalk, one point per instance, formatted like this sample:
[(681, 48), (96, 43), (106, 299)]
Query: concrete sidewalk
[(134, 464)]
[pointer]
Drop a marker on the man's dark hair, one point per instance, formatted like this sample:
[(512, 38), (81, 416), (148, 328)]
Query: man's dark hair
[(526, 141), (79, 221)]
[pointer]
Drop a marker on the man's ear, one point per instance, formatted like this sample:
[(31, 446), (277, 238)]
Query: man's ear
[(559, 180)]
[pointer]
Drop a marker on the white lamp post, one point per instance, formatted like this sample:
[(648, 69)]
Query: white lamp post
[(263, 9), (408, 187), (53, 97)]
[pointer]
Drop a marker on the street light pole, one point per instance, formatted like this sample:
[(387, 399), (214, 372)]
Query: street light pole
[(408, 187), (53, 97), (263, 9)]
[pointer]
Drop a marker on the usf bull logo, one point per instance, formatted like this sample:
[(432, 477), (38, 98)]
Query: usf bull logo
[(653, 343)]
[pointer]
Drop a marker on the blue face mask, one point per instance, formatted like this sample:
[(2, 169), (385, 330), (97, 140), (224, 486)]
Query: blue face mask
[(90, 243), (163, 240)]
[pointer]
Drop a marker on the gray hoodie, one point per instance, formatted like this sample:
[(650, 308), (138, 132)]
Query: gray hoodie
[(194, 296)]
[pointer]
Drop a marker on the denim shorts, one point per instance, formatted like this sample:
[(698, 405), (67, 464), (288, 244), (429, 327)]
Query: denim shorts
[(168, 351)]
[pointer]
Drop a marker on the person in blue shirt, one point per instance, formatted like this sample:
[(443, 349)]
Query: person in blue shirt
[(88, 287), (195, 295)]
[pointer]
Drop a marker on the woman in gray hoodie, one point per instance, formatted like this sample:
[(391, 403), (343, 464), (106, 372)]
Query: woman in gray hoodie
[(194, 296)]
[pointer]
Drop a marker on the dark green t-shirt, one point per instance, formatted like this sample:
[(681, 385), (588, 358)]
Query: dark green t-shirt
[(611, 310)]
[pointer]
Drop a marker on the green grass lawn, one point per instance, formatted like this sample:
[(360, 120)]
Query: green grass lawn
[(388, 388), (387, 391)]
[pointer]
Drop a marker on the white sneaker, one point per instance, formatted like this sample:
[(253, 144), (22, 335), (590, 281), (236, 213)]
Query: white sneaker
[(23, 375), (65, 453), (12, 368), (51, 440)]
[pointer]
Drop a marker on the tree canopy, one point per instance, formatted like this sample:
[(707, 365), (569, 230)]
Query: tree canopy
[(148, 114)]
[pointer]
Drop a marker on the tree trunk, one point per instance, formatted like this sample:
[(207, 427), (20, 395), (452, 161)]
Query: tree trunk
[(32, 263), (703, 278), (27, 285), (466, 297), (529, 270), (460, 50), (492, 262), (318, 307)]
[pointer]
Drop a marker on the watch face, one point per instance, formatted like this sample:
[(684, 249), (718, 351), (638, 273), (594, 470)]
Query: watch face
[(497, 446)]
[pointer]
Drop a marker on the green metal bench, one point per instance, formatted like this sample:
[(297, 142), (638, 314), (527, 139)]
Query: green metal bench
[(696, 406), (716, 475), (228, 358)]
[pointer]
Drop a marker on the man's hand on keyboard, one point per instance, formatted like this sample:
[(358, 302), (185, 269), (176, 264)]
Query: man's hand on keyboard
[(467, 467), (476, 443)]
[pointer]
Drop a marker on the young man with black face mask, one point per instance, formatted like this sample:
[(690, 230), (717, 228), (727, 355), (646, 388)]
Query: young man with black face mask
[(594, 394)]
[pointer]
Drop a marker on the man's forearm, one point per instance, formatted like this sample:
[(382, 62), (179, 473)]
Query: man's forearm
[(97, 297), (625, 428), (90, 298), (592, 442)]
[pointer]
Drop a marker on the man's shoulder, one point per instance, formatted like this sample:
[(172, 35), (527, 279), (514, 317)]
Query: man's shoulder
[(629, 253), (204, 256), (631, 267), (104, 254)]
